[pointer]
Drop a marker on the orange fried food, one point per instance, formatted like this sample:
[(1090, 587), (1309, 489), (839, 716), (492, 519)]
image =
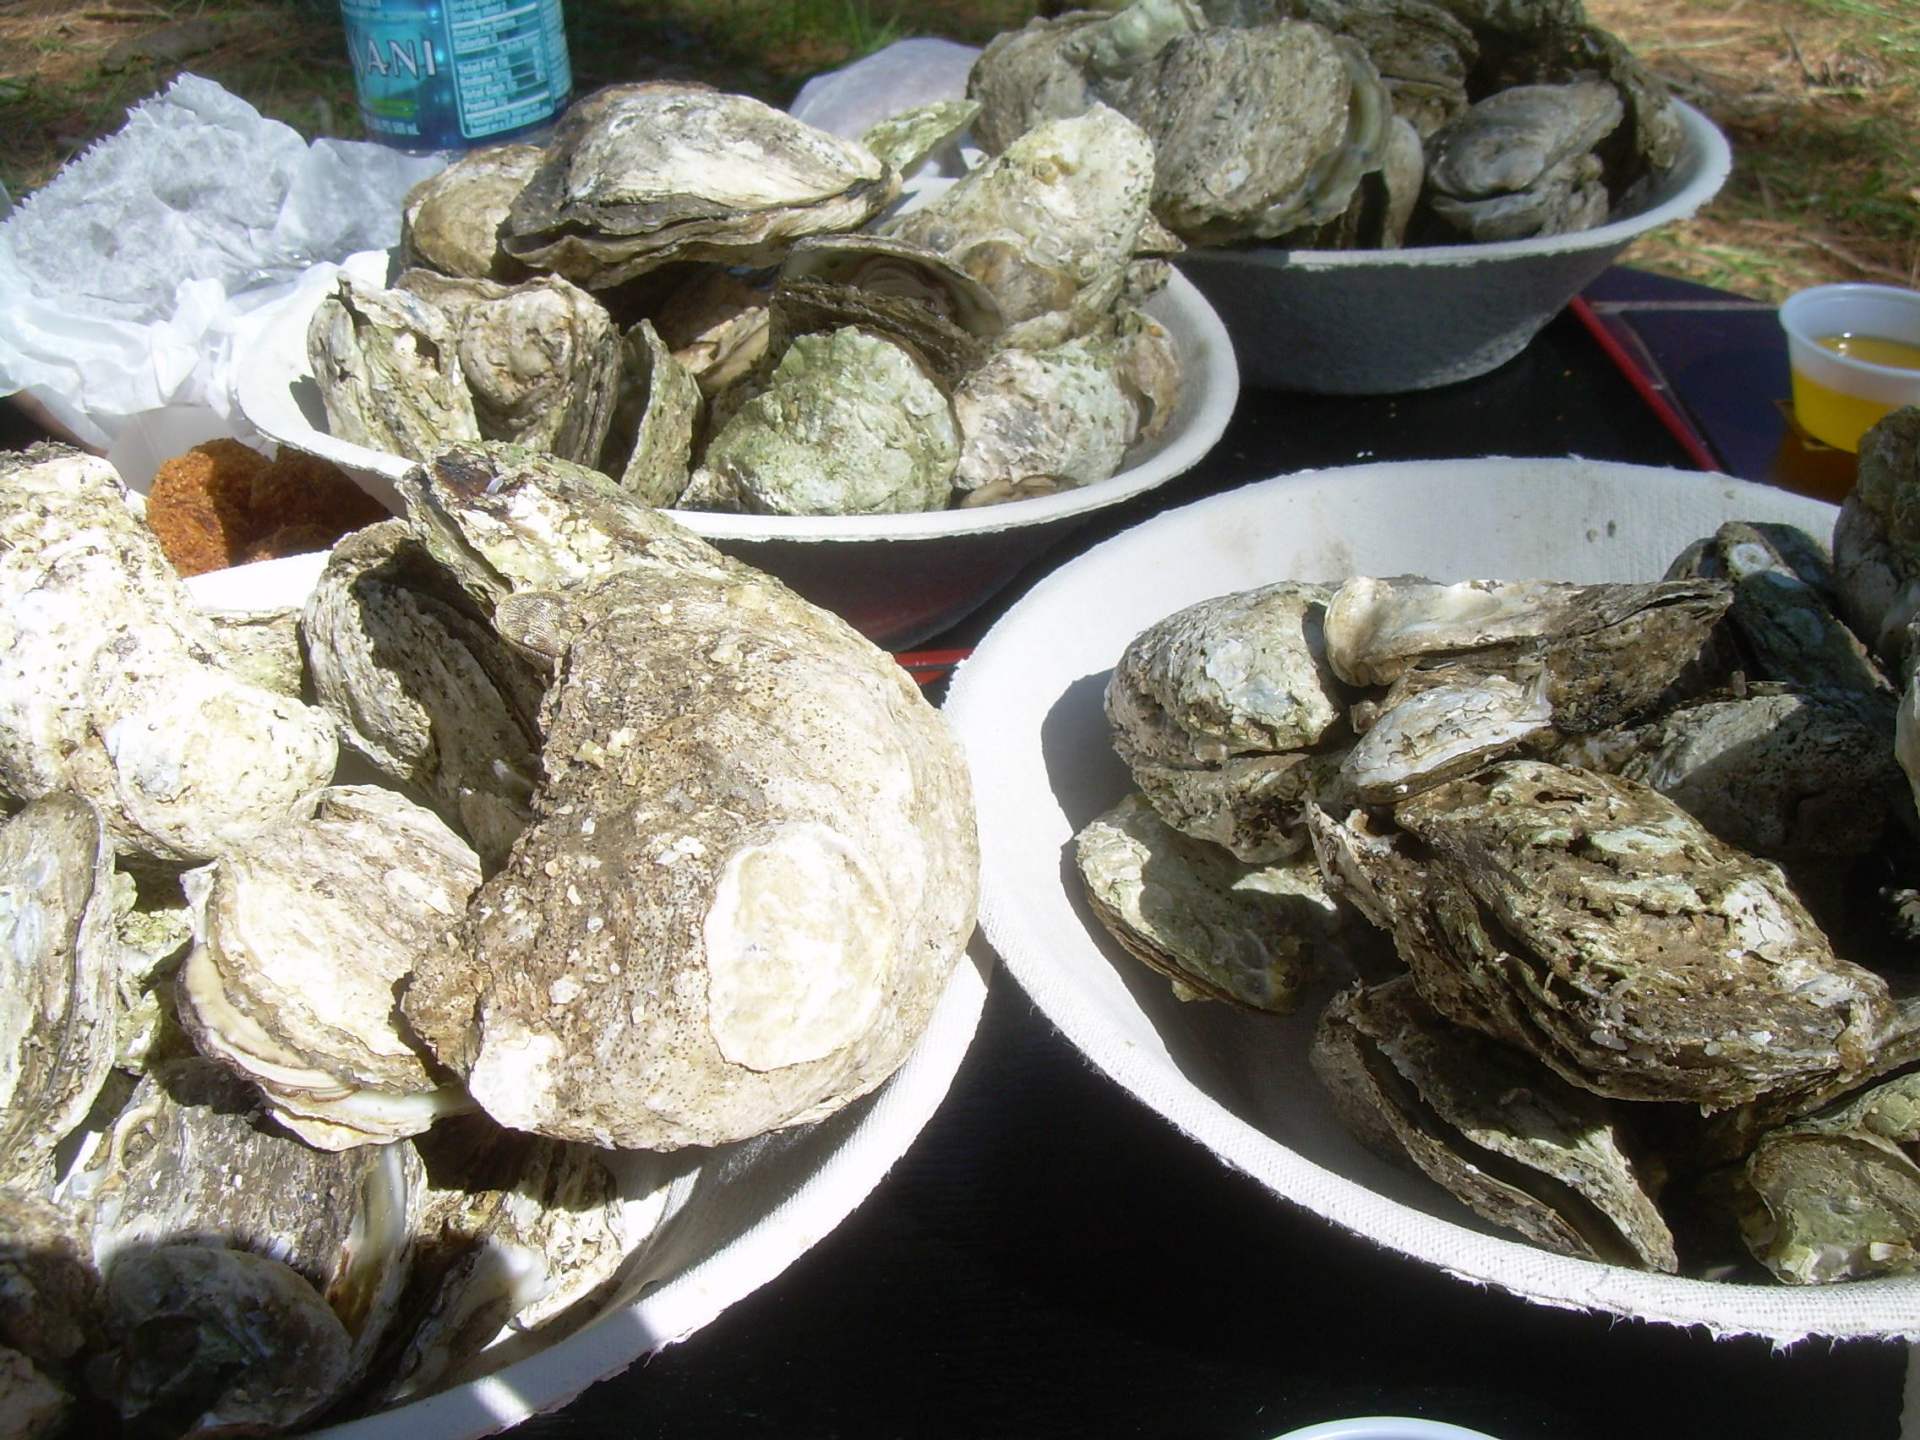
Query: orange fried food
[(200, 505), (301, 489)]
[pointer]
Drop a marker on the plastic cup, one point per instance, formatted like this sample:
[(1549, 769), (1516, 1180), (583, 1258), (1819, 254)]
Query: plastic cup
[(1837, 398)]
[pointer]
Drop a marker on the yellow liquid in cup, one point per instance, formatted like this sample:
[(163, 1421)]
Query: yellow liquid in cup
[(1834, 416)]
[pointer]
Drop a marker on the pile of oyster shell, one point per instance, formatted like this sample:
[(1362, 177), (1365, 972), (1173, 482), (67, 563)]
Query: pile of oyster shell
[(710, 301), (1620, 877), (1337, 124), (315, 1085)]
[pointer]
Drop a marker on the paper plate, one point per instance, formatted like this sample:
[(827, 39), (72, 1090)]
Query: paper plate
[(896, 578), (1027, 706)]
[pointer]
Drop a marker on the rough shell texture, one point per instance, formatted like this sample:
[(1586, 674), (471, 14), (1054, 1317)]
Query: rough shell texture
[(1591, 921), (650, 445), (1217, 927), (422, 686), (451, 221), (1509, 141), (666, 172), (300, 945), (1510, 1138), (754, 867), (1049, 226), (387, 366), (113, 686), (1063, 413), (848, 424), (1876, 539), (1442, 733), (58, 994), (1840, 1192)]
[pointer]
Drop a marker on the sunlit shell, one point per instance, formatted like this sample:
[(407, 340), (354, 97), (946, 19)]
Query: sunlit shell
[(451, 221), (387, 366)]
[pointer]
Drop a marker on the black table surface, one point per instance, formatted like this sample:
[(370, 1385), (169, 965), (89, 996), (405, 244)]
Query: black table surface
[(1050, 1259)]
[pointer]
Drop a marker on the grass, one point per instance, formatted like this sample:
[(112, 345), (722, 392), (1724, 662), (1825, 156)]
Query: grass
[(1821, 98)]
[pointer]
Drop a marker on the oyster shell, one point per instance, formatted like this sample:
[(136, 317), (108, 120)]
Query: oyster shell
[(1505, 1135), (49, 1289), (1218, 928), (422, 686), (114, 686), (1520, 162), (300, 944), (1064, 414), (59, 1004), (32, 1404), (205, 1340), (1876, 539), (451, 221), (655, 423), (1048, 226), (848, 424), (1608, 651), (541, 361), (1213, 707), (716, 326), (1442, 733), (752, 870), (387, 365), (519, 1235), (1046, 71), (1840, 1192), (191, 1167), (905, 141), (663, 172), (1594, 923)]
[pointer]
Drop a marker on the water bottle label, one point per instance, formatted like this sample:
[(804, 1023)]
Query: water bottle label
[(447, 73)]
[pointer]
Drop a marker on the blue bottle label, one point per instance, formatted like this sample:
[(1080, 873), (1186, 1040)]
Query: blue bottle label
[(446, 74)]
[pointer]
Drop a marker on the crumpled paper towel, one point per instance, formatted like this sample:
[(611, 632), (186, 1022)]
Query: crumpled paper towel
[(129, 277)]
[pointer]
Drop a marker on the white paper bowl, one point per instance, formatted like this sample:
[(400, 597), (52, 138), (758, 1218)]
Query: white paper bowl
[(1027, 706), (897, 578), (1377, 322), (720, 1222)]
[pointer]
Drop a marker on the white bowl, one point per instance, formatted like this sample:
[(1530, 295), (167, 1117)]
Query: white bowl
[(897, 578), (1027, 706), (1377, 322)]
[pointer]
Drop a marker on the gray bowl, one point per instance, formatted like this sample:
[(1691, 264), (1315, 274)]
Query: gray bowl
[(1378, 322)]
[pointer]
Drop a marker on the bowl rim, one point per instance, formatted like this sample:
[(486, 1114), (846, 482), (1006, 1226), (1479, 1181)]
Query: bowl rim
[(1706, 159), (1210, 391), (1791, 320)]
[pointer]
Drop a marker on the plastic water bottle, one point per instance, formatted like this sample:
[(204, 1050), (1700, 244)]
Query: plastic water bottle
[(447, 74)]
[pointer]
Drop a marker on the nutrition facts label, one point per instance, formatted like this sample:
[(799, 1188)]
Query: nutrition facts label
[(509, 62)]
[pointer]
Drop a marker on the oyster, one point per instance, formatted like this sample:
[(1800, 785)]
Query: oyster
[(451, 221), (1505, 1135), (518, 1235), (1876, 540), (1258, 132), (907, 140), (114, 686), (60, 1002), (1442, 733), (49, 1289), (1218, 928), (1521, 162), (421, 685), (1064, 414), (903, 292), (1839, 1192), (1049, 226), (299, 946), (1594, 923), (848, 424), (192, 1170), (387, 365), (541, 361), (751, 871), (205, 1340), (662, 172), (1608, 652), (1214, 707), (654, 425), (716, 327)]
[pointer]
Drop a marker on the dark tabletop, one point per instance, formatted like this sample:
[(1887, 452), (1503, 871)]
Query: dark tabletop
[(1050, 1259)]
